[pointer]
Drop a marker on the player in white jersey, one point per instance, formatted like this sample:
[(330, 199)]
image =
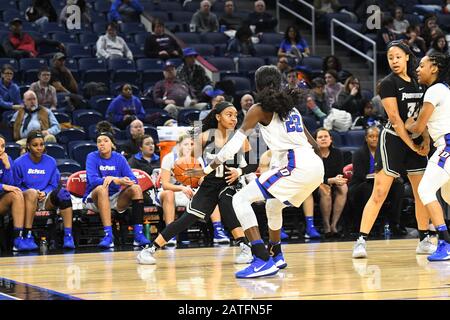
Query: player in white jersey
[(434, 71), (296, 169)]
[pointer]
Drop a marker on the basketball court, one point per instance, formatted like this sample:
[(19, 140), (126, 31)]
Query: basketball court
[(319, 271)]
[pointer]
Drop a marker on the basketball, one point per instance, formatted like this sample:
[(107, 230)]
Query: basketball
[(179, 169)]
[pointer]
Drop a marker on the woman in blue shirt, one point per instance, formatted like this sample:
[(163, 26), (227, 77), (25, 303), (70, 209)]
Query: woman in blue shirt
[(293, 44), (36, 174), (125, 108), (11, 197), (112, 185)]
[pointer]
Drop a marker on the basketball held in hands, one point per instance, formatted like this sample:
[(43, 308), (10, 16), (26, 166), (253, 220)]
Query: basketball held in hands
[(179, 171)]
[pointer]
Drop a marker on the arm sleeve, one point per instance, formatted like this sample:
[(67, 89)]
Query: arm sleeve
[(5, 104), (54, 124), (231, 147), (92, 172), (18, 177), (111, 112), (8, 174)]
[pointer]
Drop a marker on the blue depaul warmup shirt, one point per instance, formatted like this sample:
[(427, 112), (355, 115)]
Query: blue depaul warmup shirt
[(6, 175), (42, 176), (97, 168)]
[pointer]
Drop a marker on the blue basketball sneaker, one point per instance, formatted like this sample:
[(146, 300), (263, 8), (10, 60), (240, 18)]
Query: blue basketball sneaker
[(279, 261), (68, 242), (311, 233), (140, 240), (20, 244), (258, 268), (442, 252), (30, 243), (107, 242), (220, 237)]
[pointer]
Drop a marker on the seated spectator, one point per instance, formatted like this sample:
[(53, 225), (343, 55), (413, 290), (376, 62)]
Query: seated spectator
[(318, 95), (132, 146), (172, 94), (324, 7), (19, 44), (84, 9), (125, 11), (34, 117), (439, 45), (367, 117), (125, 108), (146, 159), (36, 174), (41, 12), (400, 23), (111, 46), (350, 99), (45, 92), (193, 74), (241, 45), (313, 109), (332, 62), (204, 20), (229, 19), (64, 82), (333, 191), (446, 7), (9, 91), (332, 88), (415, 42), (284, 67), (293, 45), (302, 88), (11, 200), (430, 30), (161, 45), (112, 185), (361, 185), (261, 19)]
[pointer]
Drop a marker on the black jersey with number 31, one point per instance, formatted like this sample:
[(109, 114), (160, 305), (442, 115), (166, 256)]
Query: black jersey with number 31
[(408, 94)]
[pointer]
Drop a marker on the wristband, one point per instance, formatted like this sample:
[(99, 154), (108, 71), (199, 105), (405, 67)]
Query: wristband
[(207, 170)]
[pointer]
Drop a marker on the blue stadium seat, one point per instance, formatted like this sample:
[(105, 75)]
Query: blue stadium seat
[(13, 150), (71, 134), (7, 115), (213, 38), (355, 138), (312, 65), (265, 50), (12, 62), (88, 38), (223, 64), (8, 5), (310, 123), (55, 150), (10, 14), (99, 27), (152, 131), (102, 6), (152, 76), (164, 16), (182, 17), (30, 68), (52, 27), (272, 38), (124, 70), (137, 50), (192, 6), (102, 104), (241, 84), (65, 37), (187, 116), (7, 132), (336, 138), (147, 102), (247, 64), (84, 118), (149, 64), (204, 49), (175, 26), (97, 16), (367, 94), (77, 51), (132, 27), (189, 37), (93, 69), (62, 117), (168, 6), (23, 88), (80, 151), (68, 165)]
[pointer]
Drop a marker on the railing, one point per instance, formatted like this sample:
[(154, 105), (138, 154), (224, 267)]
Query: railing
[(311, 22), (348, 46)]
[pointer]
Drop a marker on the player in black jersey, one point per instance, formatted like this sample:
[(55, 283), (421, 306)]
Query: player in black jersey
[(398, 151), (217, 188)]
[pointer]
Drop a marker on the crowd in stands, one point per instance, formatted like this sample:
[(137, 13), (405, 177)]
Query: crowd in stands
[(62, 81)]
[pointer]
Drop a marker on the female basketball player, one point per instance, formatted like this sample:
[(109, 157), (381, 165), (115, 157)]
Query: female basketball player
[(176, 194), (434, 72), (217, 188), (36, 174), (11, 197), (112, 185), (397, 150), (296, 170)]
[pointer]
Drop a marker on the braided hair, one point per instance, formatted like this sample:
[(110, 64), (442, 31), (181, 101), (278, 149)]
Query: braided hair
[(270, 95), (442, 62)]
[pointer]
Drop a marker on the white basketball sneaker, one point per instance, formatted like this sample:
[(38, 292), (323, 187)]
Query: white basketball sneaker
[(245, 254), (146, 256), (359, 250), (426, 246)]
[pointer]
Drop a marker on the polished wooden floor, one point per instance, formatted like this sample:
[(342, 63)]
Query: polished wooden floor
[(315, 271)]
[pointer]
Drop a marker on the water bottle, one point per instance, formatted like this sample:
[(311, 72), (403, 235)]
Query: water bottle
[(43, 245), (387, 231), (223, 28), (147, 229)]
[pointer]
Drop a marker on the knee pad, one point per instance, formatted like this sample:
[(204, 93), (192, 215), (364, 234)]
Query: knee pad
[(60, 197), (274, 209), (426, 194), (244, 211)]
